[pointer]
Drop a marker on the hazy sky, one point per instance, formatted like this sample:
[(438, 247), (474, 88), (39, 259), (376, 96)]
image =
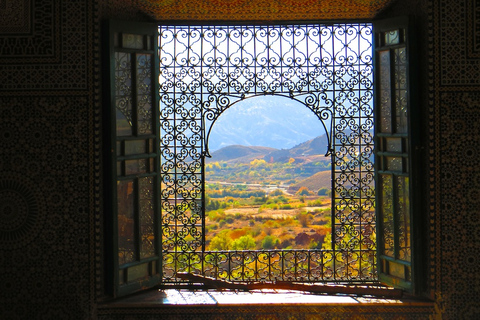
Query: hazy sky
[(269, 121)]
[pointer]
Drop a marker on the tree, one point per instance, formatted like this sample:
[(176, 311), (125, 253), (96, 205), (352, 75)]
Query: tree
[(276, 192), (269, 242), (258, 163), (304, 218), (245, 242), (221, 241), (303, 191), (323, 191)]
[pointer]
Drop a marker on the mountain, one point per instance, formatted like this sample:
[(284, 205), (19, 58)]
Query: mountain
[(313, 148), (271, 121), (237, 153), (316, 146)]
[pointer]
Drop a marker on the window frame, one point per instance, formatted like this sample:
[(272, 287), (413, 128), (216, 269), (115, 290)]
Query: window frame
[(412, 151), (112, 148), (111, 227)]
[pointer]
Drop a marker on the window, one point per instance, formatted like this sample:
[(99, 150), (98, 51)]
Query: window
[(156, 218)]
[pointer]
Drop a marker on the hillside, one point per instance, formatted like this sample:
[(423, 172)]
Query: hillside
[(316, 146), (309, 150), (322, 179), (237, 153)]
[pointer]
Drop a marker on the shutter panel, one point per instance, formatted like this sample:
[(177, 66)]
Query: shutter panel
[(132, 232), (394, 185)]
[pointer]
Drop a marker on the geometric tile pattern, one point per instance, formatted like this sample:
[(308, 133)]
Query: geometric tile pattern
[(459, 54), (52, 55), (460, 202), (15, 17), (31, 34), (474, 29)]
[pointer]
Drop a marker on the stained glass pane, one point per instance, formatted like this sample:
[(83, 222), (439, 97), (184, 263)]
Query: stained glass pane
[(396, 269), (401, 94), (132, 41), (135, 166), (135, 147), (138, 272), (385, 93), (123, 93), (392, 37), (394, 164), (387, 214), (144, 93), (403, 217), (147, 218), (126, 224), (393, 144)]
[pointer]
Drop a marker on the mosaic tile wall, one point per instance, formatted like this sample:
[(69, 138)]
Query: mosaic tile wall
[(50, 173), (48, 164)]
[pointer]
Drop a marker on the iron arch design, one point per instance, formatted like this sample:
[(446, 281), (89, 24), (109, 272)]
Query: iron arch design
[(322, 114)]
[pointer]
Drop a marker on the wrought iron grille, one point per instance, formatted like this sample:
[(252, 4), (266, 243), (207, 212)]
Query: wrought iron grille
[(206, 69)]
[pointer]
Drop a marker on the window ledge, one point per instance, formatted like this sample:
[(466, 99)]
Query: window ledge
[(261, 304), (263, 297)]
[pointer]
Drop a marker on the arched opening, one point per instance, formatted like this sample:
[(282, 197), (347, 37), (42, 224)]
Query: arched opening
[(268, 181)]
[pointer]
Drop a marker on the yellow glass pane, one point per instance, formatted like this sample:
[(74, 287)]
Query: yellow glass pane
[(138, 272), (135, 147)]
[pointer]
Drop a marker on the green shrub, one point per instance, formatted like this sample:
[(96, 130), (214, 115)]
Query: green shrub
[(323, 191), (221, 241), (276, 192), (245, 242), (269, 242), (304, 218)]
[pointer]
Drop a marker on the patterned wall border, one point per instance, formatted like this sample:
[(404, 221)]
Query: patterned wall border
[(95, 158), (15, 16), (278, 312), (65, 67), (432, 160), (459, 61), (474, 29), (460, 195), (44, 186), (453, 105), (31, 40)]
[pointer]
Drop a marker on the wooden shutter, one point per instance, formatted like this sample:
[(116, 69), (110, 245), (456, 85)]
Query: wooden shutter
[(132, 232), (395, 143)]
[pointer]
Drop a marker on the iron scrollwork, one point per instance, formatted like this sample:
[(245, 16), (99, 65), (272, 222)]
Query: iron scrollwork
[(206, 69)]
